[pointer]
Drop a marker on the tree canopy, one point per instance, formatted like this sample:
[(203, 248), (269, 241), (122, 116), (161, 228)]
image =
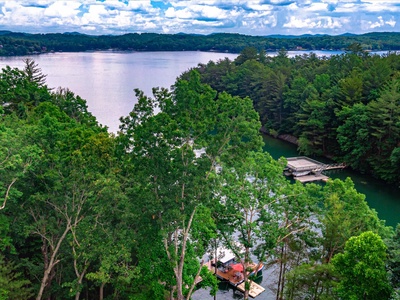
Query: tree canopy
[(86, 214)]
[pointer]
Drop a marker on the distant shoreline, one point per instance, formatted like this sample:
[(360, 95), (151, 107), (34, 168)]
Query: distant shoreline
[(20, 44)]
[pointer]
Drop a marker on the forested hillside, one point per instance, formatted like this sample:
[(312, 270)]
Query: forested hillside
[(85, 214), (12, 43), (346, 106)]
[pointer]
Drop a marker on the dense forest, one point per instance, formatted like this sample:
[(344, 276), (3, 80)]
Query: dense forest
[(86, 214), (346, 107), (12, 43)]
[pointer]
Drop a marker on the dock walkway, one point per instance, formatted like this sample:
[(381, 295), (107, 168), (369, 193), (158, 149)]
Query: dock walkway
[(312, 177)]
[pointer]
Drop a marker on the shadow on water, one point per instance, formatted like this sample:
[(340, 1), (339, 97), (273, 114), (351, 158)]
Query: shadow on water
[(382, 197)]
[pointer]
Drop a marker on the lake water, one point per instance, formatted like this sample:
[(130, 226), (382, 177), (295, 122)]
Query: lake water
[(107, 79)]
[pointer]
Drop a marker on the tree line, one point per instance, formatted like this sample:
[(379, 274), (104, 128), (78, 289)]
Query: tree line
[(86, 214), (13, 43), (346, 107)]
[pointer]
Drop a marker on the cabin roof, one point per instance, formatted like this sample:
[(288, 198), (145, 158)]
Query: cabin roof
[(225, 255)]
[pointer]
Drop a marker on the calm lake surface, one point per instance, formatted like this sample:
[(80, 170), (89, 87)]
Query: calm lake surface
[(107, 79)]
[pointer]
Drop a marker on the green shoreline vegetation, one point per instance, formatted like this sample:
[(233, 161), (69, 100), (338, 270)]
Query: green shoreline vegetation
[(85, 214), (14, 43), (345, 107)]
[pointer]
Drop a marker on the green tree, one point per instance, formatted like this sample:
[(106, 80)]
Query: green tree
[(34, 73), (17, 157), (353, 135), (247, 53), (18, 92), (12, 283), (361, 268), (312, 122), (385, 130), (311, 281), (74, 106), (64, 194), (346, 214), (248, 206), (293, 99), (351, 89), (297, 236), (393, 265), (174, 176)]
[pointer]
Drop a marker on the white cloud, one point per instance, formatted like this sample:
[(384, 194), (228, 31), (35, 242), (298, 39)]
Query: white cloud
[(350, 8), (171, 12), (379, 23), (261, 7), (17, 15), (312, 23), (201, 16), (196, 12), (62, 9), (391, 22), (317, 7)]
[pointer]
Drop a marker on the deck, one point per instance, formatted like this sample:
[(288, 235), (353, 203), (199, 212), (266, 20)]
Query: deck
[(232, 276)]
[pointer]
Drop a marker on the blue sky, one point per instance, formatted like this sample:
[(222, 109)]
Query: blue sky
[(262, 17)]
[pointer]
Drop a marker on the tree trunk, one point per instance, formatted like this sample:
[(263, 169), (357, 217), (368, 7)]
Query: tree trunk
[(178, 268), (280, 275), (101, 291), (51, 263), (80, 279), (246, 279)]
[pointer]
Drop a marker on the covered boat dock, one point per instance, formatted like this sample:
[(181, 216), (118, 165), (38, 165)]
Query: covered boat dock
[(306, 169)]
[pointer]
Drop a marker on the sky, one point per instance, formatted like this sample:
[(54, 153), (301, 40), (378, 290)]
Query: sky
[(262, 17)]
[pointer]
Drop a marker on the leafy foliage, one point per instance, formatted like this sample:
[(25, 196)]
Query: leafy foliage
[(362, 268)]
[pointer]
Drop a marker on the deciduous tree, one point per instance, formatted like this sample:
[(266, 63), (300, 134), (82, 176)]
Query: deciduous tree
[(361, 268)]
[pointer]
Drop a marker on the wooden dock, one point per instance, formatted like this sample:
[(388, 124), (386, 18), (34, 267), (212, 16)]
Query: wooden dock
[(255, 289), (234, 278)]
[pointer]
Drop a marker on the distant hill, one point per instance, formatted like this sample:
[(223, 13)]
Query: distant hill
[(17, 43), (74, 33), (282, 36), (347, 34)]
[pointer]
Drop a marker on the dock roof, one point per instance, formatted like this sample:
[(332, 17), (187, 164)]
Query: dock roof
[(302, 163)]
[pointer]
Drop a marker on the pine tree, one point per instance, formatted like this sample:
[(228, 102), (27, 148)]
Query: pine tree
[(34, 73)]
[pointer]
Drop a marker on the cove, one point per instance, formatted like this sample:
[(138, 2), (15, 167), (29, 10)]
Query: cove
[(382, 197)]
